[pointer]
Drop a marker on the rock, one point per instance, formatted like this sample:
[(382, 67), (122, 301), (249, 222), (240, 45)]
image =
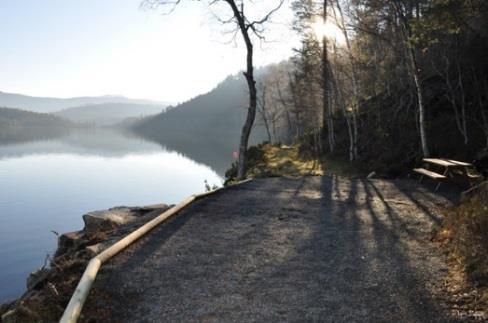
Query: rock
[(480, 191), (95, 249), (98, 221), (98, 235), (70, 241), (371, 175), (115, 217), (153, 207), (52, 289), (20, 314), (5, 307), (109, 219), (37, 278)]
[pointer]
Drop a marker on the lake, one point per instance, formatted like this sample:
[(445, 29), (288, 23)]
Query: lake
[(47, 185)]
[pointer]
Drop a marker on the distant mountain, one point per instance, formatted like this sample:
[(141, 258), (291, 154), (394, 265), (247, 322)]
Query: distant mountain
[(109, 113), (18, 125), (206, 128), (44, 104)]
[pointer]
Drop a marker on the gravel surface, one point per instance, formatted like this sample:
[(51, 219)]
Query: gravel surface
[(313, 249)]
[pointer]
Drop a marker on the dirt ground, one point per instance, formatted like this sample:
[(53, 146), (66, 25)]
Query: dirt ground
[(313, 249)]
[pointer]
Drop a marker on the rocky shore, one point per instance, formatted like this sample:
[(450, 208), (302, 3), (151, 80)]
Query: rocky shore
[(49, 289)]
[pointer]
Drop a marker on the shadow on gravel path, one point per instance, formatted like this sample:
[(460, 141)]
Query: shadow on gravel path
[(313, 249)]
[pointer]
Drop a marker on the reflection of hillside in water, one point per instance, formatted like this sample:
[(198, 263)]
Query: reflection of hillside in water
[(99, 142), (112, 143), (215, 154), (13, 135)]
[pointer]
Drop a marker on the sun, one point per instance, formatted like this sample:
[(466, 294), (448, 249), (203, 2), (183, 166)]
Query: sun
[(329, 30)]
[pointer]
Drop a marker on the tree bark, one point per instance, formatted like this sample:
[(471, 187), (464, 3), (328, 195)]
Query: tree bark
[(251, 83), (420, 100), (262, 111), (327, 122), (355, 86), (341, 102), (415, 71)]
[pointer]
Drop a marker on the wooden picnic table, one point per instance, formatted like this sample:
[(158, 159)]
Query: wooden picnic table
[(439, 162), (450, 169), (447, 162), (460, 163)]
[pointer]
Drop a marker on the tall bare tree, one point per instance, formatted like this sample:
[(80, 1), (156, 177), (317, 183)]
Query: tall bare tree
[(247, 27), (263, 109), (341, 24), (404, 12), (327, 121)]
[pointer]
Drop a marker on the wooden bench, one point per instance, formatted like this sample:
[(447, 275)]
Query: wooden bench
[(431, 174), (452, 170)]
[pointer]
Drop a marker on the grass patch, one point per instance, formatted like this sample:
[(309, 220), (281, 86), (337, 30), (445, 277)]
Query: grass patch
[(464, 235), (273, 160)]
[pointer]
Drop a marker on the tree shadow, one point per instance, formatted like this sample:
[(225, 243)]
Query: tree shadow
[(360, 266), (410, 193), (311, 249), (392, 215)]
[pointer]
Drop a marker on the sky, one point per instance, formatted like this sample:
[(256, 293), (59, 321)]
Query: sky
[(67, 48)]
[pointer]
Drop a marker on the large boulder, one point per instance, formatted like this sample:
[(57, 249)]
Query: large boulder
[(70, 241), (108, 219), (115, 217)]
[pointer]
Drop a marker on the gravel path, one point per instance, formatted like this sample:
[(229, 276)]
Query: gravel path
[(314, 249)]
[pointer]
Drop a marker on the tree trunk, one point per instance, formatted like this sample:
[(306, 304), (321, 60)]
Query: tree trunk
[(420, 100), (268, 132), (327, 122), (452, 94), (355, 86), (283, 102), (341, 102), (262, 111), (464, 131), (251, 83), (415, 71)]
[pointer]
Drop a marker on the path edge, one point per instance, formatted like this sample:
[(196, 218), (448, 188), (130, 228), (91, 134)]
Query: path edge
[(73, 309)]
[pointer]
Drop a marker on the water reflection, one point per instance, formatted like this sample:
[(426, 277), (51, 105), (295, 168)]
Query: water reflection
[(116, 143), (47, 184)]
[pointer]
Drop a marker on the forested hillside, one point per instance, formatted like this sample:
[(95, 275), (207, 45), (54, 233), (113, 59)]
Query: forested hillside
[(207, 127), (17, 125), (108, 113), (45, 104)]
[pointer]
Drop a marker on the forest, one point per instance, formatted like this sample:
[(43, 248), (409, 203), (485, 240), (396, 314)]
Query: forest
[(19, 126), (401, 80)]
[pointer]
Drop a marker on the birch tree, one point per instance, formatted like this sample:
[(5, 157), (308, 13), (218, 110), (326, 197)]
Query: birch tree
[(249, 28), (404, 13)]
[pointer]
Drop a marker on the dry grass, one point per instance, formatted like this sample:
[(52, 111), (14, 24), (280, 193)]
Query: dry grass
[(282, 160), (275, 160), (465, 233), (464, 236)]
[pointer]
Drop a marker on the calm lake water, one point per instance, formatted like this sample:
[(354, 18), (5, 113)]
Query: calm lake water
[(49, 184)]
